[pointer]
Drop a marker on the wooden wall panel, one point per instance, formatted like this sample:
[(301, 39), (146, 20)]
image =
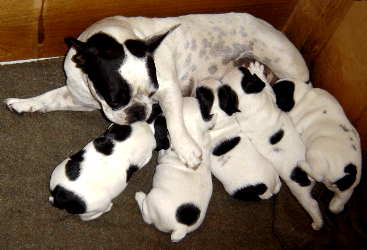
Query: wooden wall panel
[(303, 19), (19, 29), (312, 23), (341, 66), (40, 26)]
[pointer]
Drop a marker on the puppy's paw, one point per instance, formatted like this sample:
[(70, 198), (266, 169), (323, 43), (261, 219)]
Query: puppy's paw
[(139, 197), (317, 225), (23, 105), (258, 69), (189, 154), (109, 207)]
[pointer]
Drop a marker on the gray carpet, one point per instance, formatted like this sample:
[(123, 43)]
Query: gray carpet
[(32, 145)]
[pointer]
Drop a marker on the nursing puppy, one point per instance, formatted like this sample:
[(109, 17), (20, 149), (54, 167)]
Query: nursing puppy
[(333, 145), (272, 132), (123, 65), (85, 183), (180, 196), (243, 171)]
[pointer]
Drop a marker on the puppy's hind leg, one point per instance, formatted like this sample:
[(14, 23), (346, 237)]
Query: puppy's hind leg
[(303, 195), (141, 199), (57, 99), (338, 201)]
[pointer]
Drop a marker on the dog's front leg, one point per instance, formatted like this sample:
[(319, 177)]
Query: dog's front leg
[(187, 151), (57, 99)]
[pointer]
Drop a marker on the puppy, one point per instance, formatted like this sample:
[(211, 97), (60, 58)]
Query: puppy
[(272, 132), (333, 145), (123, 65), (85, 183), (243, 171), (180, 195)]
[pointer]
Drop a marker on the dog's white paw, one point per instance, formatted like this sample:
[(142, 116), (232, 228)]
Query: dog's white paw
[(23, 105), (189, 154), (258, 69), (139, 197), (109, 207), (317, 225)]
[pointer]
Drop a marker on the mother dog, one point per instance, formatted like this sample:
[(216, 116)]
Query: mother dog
[(110, 67)]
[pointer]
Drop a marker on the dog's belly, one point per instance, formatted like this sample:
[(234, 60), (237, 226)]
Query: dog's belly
[(207, 45)]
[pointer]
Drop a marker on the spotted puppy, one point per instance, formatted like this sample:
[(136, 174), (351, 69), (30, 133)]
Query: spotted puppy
[(85, 183), (243, 171), (123, 65), (180, 195), (272, 132), (333, 145)]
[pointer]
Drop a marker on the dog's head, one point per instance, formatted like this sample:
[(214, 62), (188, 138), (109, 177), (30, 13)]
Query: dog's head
[(288, 92), (121, 76)]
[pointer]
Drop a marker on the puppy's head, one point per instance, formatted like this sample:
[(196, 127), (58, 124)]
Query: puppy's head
[(215, 97), (288, 92), (121, 76), (242, 80)]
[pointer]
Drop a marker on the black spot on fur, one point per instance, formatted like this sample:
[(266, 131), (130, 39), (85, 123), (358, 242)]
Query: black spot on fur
[(284, 91), (100, 58), (156, 111), (161, 133), (118, 132), (250, 193), (130, 171), (228, 100), (251, 84), (67, 200), (72, 167), (300, 176), (103, 145), (137, 47), (152, 72), (225, 146), (276, 137), (345, 129), (206, 99), (187, 214), (349, 178)]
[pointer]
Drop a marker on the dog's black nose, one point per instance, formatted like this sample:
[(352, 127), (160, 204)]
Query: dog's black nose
[(136, 113)]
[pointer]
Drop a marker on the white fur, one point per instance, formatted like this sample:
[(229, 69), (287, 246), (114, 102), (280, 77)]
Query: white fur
[(175, 184), (259, 119), (331, 140), (243, 165), (202, 46), (102, 178)]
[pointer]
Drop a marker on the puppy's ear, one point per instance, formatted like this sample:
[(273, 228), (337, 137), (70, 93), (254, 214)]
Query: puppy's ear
[(161, 133), (155, 40), (85, 53), (206, 99), (284, 91), (251, 84), (228, 100)]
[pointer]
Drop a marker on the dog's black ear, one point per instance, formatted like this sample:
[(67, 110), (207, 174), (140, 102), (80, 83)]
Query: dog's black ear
[(284, 91), (251, 84), (228, 100), (206, 99), (154, 41), (85, 53), (161, 133)]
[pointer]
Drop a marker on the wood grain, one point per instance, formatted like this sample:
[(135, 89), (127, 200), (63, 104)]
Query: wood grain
[(37, 28)]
